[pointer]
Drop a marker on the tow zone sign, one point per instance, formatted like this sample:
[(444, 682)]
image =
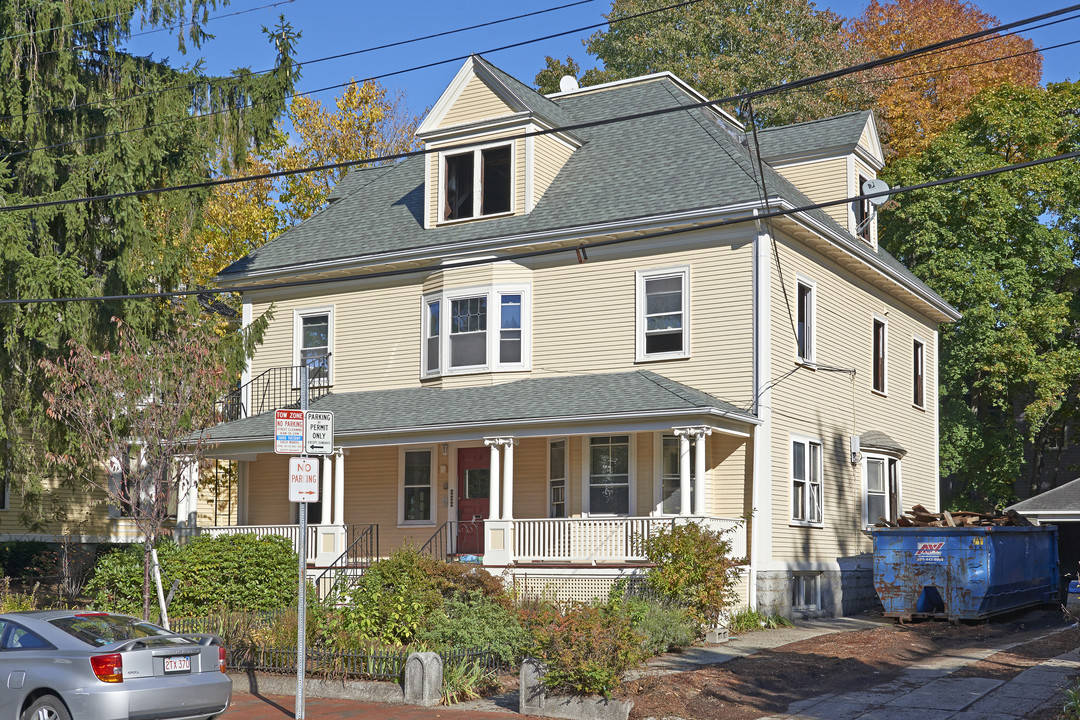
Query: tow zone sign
[(288, 432)]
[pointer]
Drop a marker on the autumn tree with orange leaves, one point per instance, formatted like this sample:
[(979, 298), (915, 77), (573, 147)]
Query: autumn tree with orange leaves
[(918, 99), (367, 121)]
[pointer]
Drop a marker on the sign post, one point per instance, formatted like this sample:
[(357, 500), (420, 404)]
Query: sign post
[(301, 610)]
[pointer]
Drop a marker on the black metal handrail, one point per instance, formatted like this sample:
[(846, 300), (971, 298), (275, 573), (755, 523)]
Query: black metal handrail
[(272, 389), (361, 552), (438, 545)]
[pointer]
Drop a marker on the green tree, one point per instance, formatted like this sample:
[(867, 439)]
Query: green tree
[(1003, 250), (726, 47), (79, 116)]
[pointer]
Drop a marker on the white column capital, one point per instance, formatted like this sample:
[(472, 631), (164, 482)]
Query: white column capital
[(694, 432), (500, 441)]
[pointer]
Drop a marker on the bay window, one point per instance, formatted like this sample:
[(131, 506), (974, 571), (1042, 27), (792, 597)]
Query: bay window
[(482, 329)]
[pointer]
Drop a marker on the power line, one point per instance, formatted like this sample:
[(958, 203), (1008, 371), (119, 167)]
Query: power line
[(779, 212), (189, 86), (796, 84)]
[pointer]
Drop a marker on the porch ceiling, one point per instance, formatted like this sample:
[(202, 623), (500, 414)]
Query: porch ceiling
[(541, 406)]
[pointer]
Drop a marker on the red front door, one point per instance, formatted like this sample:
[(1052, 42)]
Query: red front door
[(474, 484)]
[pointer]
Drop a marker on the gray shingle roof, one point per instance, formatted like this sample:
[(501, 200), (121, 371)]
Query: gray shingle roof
[(839, 132), (1063, 498), (877, 440), (572, 396), (537, 103)]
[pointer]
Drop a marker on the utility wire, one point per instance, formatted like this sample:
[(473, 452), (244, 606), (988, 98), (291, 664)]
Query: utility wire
[(796, 84), (302, 63), (779, 212)]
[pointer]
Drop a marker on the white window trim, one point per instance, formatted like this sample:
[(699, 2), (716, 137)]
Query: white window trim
[(917, 339), (885, 355), (868, 523), (298, 316), (641, 277), (477, 188), (493, 293), (814, 577), (810, 358), (430, 449), (658, 472), (805, 440), (586, 477), (565, 477)]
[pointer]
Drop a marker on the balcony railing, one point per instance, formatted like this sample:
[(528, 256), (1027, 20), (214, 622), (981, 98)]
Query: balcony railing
[(274, 389), (598, 540)]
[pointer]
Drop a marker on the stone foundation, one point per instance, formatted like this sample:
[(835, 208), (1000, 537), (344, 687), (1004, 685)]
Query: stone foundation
[(845, 587)]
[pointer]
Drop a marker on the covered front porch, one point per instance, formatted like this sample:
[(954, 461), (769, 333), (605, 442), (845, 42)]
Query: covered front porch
[(534, 475)]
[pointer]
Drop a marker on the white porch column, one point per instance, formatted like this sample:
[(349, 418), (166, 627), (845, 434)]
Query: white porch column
[(338, 518), (684, 470), (327, 470), (494, 509), (699, 469), (508, 477)]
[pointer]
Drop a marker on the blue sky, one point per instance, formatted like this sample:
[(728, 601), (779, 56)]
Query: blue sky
[(330, 27)]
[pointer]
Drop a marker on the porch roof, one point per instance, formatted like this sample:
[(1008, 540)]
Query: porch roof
[(545, 405)]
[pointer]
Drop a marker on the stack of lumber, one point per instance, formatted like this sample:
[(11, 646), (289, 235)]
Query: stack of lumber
[(919, 516)]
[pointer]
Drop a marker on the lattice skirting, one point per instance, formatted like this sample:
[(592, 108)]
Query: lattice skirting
[(572, 586)]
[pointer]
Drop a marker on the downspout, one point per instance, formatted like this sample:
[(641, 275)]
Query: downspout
[(761, 517)]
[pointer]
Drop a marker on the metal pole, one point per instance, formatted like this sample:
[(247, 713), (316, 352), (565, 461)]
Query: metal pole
[(301, 613)]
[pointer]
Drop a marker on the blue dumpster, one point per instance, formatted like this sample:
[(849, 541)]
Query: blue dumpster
[(966, 573)]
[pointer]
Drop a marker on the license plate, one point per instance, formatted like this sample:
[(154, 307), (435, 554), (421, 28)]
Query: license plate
[(180, 664)]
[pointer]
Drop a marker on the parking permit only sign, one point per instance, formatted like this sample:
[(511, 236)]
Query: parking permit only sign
[(303, 479), (288, 432), (318, 432)]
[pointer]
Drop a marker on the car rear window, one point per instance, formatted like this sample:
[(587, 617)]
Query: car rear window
[(99, 630)]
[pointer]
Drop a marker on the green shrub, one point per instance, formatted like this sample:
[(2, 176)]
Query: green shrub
[(587, 648), (666, 627), (394, 599), (25, 558), (748, 620), (694, 568), (453, 579), (476, 620), (229, 572)]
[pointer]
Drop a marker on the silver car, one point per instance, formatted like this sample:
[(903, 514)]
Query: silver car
[(71, 665)]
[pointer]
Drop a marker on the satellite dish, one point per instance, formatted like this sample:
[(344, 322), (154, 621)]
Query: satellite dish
[(568, 83), (871, 187)]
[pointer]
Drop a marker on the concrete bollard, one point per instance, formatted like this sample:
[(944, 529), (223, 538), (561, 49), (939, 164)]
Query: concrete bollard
[(423, 679), (532, 696)]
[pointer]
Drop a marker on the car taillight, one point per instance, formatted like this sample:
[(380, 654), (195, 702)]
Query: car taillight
[(221, 658), (108, 668)]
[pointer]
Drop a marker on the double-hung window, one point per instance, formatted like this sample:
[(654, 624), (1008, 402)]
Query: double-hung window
[(476, 330), (478, 182), (878, 375), (881, 489), (313, 342), (415, 499), (804, 291), (557, 457), (918, 374), (806, 466), (863, 212), (663, 314), (609, 475), (671, 477)]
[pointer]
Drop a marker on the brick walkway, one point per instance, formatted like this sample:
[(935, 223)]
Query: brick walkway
[(277, 707)]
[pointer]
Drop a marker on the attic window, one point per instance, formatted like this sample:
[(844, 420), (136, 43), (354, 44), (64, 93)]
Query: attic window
[(477, 183)]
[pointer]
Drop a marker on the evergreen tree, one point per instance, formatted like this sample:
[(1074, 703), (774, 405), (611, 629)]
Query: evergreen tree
[(80, 116)]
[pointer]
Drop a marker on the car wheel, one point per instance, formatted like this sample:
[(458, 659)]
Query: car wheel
[(46, 707)]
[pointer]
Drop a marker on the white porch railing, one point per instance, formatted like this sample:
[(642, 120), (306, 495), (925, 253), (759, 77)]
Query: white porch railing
[(616, 539), (291, 532)]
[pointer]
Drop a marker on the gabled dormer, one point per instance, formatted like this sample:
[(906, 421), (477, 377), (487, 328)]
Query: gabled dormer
[(828, 160), (486, 163)]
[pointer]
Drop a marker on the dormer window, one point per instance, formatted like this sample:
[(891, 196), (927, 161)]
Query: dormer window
[(863, 212), (478, 182)]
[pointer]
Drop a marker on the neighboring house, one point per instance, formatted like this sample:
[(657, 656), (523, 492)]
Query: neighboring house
[(1061, 507), (571, 333)]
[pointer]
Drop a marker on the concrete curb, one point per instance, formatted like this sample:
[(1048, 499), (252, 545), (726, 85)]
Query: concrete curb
[(359, 690)]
